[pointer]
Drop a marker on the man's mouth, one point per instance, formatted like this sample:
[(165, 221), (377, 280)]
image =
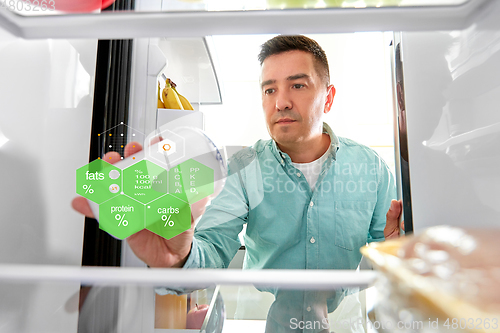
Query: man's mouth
[(285, 121)]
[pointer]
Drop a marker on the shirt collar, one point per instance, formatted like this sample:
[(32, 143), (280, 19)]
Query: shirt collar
[(334, 145)]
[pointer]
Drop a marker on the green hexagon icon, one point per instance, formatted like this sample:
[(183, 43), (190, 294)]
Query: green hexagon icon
[(121, 216), (98, 181), (192, 179), (168, 216), (144, 181)]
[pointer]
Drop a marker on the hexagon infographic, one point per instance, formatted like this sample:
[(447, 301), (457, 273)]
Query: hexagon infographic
[(98, 181), (168, 216), (191, 179), (121, 216), (144, 194), (144, 181)]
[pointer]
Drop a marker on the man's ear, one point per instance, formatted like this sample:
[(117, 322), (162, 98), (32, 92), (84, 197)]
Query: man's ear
[(329, 98)]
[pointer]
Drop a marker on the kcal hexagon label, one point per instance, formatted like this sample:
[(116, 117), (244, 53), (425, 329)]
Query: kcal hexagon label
[(144, 181), (121, 216), (98, 181), (168, 216), (191, 179)]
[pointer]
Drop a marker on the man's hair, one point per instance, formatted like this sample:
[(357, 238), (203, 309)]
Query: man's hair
[(282, 43)]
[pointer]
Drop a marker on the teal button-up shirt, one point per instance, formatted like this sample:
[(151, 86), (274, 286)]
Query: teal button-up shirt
[(288, 225)]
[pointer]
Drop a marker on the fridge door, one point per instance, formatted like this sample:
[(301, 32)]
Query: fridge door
[(452, 98), (46, 95)]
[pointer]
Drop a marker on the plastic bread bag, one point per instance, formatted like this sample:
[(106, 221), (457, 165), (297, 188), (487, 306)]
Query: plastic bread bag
[(446, 279)]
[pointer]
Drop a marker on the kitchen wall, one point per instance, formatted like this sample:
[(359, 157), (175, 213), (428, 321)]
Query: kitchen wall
[(359, 69)]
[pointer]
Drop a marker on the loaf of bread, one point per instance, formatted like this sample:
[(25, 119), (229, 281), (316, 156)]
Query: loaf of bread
[(444, 279), (463, 263)]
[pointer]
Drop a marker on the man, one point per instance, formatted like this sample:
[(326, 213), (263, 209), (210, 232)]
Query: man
[(310, 200)]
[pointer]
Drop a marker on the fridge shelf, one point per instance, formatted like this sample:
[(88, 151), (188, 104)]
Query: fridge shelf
[(197, 23), (65, 7), (189, 278)]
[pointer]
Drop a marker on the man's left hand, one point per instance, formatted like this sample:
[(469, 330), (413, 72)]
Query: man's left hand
[(392, 227)]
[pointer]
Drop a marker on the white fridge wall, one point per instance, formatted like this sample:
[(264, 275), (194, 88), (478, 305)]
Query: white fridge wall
[(452, 92), (46, 91)]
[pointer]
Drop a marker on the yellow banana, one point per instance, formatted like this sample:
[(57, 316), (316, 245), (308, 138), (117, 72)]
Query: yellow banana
[(160, 103), (185, 103), (170, 98)]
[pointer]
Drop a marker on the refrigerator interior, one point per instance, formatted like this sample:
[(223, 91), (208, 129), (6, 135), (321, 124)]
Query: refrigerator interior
[(47, 89)]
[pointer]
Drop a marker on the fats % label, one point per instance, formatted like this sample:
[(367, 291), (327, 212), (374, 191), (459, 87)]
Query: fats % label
[(88, 189)]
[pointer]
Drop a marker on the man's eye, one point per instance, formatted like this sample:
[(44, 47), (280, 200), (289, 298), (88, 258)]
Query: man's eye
[(268, 91), (298, 86)]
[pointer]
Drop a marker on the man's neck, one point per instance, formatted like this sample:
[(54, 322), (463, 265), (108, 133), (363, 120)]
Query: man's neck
[(307, 152)]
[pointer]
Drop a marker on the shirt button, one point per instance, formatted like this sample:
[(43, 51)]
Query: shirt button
[(308, 309), (312, 240), (298, 174), (311, 204)]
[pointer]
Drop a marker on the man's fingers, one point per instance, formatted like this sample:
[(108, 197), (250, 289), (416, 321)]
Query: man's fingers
[(112, 157), (156, 140), (394, 211), (81, 205), (132, 148), (391, 229)]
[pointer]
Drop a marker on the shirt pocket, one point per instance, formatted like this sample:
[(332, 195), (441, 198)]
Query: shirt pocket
[(352, 223)]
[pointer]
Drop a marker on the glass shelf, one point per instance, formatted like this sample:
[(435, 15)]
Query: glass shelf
[(124, 299), (65, 7), (176, 18), (189, 278)]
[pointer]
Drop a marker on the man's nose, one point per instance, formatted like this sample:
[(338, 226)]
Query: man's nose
[(283, 101)]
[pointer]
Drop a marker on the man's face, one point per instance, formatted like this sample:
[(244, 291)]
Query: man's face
[(294, 97)]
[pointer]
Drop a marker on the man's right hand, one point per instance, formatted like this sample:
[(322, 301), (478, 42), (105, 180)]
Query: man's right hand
[(151, 248)]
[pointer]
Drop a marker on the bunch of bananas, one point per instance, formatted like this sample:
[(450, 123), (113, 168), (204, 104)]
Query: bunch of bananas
[(171, 98)]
